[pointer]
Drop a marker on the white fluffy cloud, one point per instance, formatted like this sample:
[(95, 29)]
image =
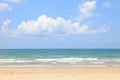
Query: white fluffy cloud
[(5, 6), (87, 9), (48, 25), (5, 25), (13, 1), (45, 25)]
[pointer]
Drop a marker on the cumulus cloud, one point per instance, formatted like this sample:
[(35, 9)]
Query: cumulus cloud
[(13, 1), (5, 25), (87, 9), (45, 25), (5, 6), (48, 25)]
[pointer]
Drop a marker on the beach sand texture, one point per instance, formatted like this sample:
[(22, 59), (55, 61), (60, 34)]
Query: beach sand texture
[(60, 73)]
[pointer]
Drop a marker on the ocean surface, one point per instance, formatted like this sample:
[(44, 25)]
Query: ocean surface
[(60, 57)]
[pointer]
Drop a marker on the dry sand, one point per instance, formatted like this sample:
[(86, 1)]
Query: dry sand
[(59, 73)]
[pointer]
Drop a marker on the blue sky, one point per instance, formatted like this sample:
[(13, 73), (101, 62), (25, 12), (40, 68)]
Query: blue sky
[(59, 24)]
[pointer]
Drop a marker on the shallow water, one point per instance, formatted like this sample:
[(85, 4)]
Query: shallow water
[(60, 57)]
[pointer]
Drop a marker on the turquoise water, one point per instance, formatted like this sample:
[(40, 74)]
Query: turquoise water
[(60, 57)]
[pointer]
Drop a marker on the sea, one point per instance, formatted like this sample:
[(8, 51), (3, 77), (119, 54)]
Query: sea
[(60, 57)]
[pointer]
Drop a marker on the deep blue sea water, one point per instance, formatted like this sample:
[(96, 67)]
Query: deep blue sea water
[(59, 57)]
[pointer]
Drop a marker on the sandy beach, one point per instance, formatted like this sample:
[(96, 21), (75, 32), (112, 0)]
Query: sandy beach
[(59, 73)]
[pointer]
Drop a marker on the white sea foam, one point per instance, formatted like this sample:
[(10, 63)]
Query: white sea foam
[(7, 60), (118, 60), (49, 60), (13, 61), (62, 61), (66, 59)]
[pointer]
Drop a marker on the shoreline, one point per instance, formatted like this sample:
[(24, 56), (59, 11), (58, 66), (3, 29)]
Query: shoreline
[(81, 66), (60, 66)]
